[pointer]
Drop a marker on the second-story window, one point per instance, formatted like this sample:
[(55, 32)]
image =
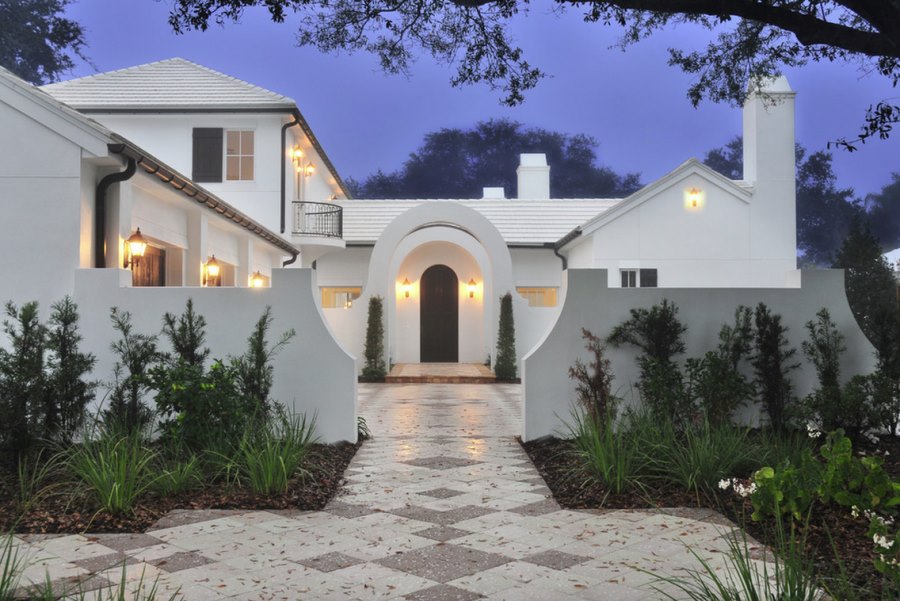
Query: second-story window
[(238, 155)]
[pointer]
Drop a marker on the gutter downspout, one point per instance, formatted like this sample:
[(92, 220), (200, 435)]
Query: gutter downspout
[(284, 129), (290, 261), (100, 208), (565, 261)]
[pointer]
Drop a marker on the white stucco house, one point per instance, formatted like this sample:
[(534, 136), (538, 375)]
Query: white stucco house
[(227, 183)]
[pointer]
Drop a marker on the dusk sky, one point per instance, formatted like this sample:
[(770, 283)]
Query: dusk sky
[(633, 103)]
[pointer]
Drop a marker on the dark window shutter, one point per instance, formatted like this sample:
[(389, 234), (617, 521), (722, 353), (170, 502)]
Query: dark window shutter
[(207, 154), (648, 278)]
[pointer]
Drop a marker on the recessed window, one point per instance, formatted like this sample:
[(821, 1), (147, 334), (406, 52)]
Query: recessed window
[(638, 278), (538, 296), (337, 297), (238, 155)]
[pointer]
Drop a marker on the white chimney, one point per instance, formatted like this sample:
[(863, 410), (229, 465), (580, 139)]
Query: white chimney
[(769, 158), (493, 193), (534, 176)]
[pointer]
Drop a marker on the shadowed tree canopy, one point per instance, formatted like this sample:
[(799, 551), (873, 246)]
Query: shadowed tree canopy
[(884, 210), (457, 163), (824, 211), (36, 42), (752, 38)]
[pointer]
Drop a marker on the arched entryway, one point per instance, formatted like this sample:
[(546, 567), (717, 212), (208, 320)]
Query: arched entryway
[(439, 316)]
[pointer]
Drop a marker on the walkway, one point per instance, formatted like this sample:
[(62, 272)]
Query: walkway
[(442, 504), (440, 373)]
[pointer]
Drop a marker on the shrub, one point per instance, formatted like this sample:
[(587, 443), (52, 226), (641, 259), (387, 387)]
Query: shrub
[(68, 391), (254, 371), (22, 381), (506, 366), (659, 335), (593, 381), (114, 468), (11, 567), (772, 364), (187, 335), (136, 354), (374, 368), (179, 477)]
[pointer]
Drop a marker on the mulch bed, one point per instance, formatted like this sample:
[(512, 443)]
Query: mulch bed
[(557, 463), (67, 515)]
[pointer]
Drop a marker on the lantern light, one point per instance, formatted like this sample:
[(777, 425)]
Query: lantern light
[(693, 197), (211, 272), (310, 170), (406, 287), (136, 245), (472, 286), (297, 154), (257, 280)]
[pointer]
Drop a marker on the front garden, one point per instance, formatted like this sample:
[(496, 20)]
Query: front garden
[(819, 481), (174, 429)]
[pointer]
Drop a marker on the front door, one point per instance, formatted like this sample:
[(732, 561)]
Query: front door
[(439, 316)]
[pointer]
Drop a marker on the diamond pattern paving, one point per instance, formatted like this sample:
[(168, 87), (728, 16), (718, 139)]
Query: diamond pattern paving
[(441, 504)]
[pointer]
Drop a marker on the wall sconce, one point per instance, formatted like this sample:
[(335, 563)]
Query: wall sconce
[(297, 154), (211, 272), (310, 170), (693, 197), (136, 246), (406, 287), (472, 286), (257, 280), (349, 303)]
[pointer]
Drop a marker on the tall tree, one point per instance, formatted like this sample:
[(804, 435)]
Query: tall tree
[(37, 42), (824, 211), (753, 38), (458, 163), (884, 210)]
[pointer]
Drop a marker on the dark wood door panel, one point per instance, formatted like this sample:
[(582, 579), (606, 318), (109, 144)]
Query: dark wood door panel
[(439, 316)]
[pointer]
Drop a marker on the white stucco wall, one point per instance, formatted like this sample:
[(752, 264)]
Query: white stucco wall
[(313, 374), (592, 304)]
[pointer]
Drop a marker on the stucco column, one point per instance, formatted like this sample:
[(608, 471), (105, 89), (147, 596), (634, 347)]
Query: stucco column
[(118, 222), (245, 262), (197, 226)]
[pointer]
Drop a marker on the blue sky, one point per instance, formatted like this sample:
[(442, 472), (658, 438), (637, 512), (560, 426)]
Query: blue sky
[(631, 102)]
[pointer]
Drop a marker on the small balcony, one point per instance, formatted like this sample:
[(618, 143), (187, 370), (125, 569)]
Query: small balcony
[(318, 229), (318, 220)]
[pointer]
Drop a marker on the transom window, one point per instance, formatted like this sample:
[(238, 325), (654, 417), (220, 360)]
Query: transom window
[(538, 296), (238, 155), (639, 278), (342, 296)]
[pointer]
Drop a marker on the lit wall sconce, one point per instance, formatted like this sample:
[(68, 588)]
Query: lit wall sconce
[(472, 287), (297, 154), (136, 246), (693, 198), (310, 170), (211, 272), (257, 280), (349, 303), (406, 287)]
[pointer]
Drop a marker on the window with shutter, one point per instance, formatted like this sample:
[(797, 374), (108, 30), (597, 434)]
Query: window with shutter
[(208, 153), (648, 278)]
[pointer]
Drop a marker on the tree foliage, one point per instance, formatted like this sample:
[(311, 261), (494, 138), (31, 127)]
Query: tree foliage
[(458, 163), (505, 367), (752, 39), (37, 42), (824, 210), (884, 210), (374, 352)]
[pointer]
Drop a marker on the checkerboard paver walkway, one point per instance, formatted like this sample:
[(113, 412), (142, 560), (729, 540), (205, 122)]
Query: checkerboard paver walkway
[(441, 504)]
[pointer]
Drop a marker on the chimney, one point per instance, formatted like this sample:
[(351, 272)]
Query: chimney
[(493, 193), (534, 176), (769, 166)]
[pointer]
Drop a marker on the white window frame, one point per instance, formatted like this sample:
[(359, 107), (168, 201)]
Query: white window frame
[(633, 271), (241, 156)]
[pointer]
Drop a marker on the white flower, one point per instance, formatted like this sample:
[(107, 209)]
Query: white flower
[(881, 541), (724, 484), (812, 431), (854, 511)]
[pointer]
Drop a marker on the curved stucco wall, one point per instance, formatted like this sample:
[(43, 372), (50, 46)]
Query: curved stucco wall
[(590, 303), (313, 374)]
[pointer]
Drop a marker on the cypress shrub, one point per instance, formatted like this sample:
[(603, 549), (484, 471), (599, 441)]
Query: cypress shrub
[(505, 368), (374, 368)]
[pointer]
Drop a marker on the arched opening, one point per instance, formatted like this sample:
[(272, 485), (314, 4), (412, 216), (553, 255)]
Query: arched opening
[(439, 316)]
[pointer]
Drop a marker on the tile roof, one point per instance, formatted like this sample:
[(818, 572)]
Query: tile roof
[(525, 222), (174, 83)]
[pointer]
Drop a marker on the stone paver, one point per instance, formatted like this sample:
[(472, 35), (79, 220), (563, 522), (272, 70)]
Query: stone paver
[(442, 503)]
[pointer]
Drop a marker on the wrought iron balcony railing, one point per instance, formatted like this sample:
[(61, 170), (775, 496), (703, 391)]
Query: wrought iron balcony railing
[(322, 219)]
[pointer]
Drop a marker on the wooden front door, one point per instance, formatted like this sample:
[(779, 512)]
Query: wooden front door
[(439, 316)]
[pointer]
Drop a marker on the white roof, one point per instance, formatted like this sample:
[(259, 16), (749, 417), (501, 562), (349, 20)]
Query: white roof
[(519, 221), (175, 83)]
